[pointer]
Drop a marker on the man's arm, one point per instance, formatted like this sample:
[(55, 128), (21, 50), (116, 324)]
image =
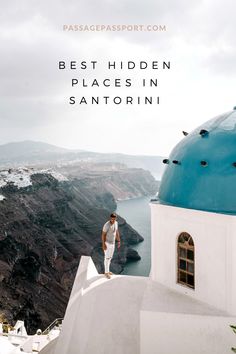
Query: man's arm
[(118, 238), (104, 247)]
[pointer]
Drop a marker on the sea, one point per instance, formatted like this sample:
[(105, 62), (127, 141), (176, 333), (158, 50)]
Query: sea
[(137, 213)]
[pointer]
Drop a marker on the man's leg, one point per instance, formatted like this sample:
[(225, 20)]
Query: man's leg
[(108, 256), (111, 252), (106, 261)]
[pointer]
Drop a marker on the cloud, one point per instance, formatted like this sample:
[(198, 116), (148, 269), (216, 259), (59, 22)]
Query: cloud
[(199, 41)]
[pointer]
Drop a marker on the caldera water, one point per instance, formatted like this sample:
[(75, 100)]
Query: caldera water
[(137, 213)]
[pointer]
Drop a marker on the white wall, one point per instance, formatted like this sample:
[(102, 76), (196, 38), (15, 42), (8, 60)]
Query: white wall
[(215, 253), (102, 316), (165, 333)]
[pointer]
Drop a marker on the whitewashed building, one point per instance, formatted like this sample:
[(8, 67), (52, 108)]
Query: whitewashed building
[(188, 302)]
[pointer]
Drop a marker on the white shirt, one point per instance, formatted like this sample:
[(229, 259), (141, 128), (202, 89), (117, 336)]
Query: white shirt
[(110, 230)]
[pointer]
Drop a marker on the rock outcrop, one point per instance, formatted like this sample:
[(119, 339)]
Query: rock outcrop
[(115, 178)]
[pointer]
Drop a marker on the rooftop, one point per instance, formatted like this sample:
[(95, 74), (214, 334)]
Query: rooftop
[(201, 170)]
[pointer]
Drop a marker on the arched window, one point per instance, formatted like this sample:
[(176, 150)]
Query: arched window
[(185, 264)]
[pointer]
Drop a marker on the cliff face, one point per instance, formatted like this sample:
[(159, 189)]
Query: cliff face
[(45, 227), (115, 178)]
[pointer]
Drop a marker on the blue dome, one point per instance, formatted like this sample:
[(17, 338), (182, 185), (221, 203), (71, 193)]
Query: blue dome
[(201, 170)]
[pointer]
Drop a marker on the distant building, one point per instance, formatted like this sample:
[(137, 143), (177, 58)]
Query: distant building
[(188, 302)]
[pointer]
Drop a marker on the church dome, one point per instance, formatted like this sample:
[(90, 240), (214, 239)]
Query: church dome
[(201, 170)]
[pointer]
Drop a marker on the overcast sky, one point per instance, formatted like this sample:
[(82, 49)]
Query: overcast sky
[(199, 41)]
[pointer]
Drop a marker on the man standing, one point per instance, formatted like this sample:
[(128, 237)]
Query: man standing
[(110, 233)]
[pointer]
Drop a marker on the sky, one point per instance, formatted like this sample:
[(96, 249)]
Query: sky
[(199, 42)]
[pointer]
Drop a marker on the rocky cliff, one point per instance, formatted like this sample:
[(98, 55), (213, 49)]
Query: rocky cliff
[(115, 178), (45, 227)]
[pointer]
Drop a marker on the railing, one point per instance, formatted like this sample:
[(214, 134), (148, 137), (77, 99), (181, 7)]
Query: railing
[(56, 323)]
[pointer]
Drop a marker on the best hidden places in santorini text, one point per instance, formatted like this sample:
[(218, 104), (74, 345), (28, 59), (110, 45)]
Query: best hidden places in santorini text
[(113, 82)]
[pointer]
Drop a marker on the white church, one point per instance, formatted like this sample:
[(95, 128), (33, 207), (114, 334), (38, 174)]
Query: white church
[(188, 302)]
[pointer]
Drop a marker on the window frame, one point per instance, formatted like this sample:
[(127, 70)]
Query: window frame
[(184, 275)]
